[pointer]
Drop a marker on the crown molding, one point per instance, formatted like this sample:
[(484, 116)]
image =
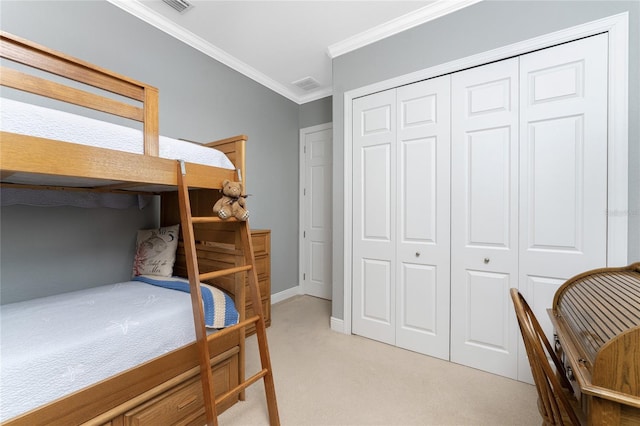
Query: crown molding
[(435, 10), (139, 10), (315, 95), (428, 13)]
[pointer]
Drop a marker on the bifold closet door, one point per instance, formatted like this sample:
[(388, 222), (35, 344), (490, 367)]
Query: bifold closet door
[(484, 216), (401, 217), (563, 169), (422, 247), (527, 181), (374, 216), (529, 192)]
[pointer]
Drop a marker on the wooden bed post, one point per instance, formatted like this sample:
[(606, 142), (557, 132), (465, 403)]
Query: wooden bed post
[(151, 126)]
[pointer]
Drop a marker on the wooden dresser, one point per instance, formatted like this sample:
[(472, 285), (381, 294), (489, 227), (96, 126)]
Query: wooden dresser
[(261, 239), (596, 316)]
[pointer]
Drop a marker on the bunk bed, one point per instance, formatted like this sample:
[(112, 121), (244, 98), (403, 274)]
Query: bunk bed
[(165, 389)]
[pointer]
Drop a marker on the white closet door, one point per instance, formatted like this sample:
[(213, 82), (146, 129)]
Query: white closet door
[(374, 216), (563, 168), (528, 200), (423, 250), (484, 217)]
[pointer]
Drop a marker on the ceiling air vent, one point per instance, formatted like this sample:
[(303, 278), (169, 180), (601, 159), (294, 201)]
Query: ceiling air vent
[(179, 5), (307, 83)]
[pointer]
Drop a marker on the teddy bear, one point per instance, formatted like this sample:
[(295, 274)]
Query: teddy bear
[(232, 203)]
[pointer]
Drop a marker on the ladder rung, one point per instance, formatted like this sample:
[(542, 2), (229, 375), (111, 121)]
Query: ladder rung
[(225, 331), (212, 219), (224, 272), (242, 386)]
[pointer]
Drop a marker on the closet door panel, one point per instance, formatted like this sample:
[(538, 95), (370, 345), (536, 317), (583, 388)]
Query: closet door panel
[(419, 190), (488, 188), (418, 283), (423, 275), (484, 216), (555, 194), (487, 329), (374, 216)]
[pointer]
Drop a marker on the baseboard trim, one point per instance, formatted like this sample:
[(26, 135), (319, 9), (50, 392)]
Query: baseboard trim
[(286, 294), (337, 324)]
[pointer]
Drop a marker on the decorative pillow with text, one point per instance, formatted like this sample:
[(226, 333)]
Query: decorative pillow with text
[(156, 251)]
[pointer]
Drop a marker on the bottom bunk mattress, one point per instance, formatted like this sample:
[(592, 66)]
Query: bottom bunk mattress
[(53, 346)]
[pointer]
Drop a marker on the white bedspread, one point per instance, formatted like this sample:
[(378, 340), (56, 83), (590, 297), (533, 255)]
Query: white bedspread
[(56, 345), (27, 119)]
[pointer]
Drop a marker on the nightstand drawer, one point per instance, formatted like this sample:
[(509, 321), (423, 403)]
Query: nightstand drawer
[(266, 311), (263, 263), (260, 241)]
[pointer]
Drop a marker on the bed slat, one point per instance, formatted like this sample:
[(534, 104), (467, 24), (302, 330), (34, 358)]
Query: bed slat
[(25, 52), (32, 84)]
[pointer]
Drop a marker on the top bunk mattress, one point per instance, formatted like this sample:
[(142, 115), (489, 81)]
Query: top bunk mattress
[(33, 120)]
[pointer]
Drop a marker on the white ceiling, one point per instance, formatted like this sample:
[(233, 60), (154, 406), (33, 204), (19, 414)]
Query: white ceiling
[(279, 42)]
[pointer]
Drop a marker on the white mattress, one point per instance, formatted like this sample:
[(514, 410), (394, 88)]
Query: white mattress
[(27, 119), (56, 345)]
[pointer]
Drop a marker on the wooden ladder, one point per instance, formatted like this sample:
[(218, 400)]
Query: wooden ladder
[(241, 227)]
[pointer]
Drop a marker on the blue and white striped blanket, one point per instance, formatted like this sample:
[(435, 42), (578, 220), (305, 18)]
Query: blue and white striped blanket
[(219, 309)]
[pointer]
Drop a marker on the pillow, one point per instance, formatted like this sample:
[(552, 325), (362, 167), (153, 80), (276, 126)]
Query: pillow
[(219, 309), (156, 251)]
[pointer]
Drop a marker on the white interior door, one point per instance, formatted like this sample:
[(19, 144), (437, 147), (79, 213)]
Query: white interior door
[(316, 194), (422, 249), (484, 216), (374, 216), (563, 169)]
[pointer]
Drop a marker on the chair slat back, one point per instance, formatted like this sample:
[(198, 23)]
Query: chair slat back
[(553, 403)]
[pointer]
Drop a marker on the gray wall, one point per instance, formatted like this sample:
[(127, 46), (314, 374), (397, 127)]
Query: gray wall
[(200, 99), (51, 250), (484, 26), (316, 112)]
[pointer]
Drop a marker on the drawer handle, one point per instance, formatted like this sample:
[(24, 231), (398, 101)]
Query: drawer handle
[(187, 402), (570, 375)]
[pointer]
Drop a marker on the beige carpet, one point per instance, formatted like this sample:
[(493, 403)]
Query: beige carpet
[(323, 377)]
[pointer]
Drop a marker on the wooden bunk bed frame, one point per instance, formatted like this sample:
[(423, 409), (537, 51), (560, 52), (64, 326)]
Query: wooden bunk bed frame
[(110, 401)]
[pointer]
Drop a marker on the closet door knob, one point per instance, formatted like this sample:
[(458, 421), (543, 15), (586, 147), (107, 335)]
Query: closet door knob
[(487, 260), (417, 254)]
